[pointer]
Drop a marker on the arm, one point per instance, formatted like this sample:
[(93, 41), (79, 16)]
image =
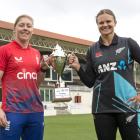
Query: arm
[(134, 50), (85, 71), (135, 53), (3, 63), (87, 76), (3, 119), (40, 77), (45, 64), (41, 74)]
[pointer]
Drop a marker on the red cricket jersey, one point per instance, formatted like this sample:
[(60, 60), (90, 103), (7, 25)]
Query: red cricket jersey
[(19, 82)]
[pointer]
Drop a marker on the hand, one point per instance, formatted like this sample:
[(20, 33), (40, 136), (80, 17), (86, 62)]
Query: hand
[(3, 119), (47, 62), (44, 62), (135, 99), (51, 61), (73, 61)]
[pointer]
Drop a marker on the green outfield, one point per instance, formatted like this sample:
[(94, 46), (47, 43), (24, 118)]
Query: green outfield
[(70, 127)]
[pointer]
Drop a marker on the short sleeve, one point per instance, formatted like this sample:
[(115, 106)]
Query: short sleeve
[(3, 58)]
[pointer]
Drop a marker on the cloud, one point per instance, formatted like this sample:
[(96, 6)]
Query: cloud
[(74, 17)]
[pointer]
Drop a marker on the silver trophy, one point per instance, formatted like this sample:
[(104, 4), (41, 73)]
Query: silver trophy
[(61, 92), (60, 58)]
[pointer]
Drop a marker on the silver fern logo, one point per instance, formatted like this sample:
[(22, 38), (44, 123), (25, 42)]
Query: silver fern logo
[(118, 51), (130, 118)]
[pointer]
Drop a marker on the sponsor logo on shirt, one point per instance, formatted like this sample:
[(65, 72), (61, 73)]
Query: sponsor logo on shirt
[(130, 118), (122, 65), (118, 51), (113, 66), (18, 59), (27, 75), (98, 54), (107, 67)]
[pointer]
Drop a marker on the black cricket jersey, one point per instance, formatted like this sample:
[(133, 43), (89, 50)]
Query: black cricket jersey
[(109, 70)]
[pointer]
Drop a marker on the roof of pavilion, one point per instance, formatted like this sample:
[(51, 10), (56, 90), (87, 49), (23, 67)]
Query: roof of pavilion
[(45, 40)]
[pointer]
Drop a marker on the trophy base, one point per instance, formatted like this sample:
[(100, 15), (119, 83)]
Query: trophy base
[(61, 95), (61, 99)]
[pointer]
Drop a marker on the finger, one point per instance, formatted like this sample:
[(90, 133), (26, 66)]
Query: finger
[(131, 99), (3, 122), (73, 54), (69, 54), (135, 99), (70, 65)]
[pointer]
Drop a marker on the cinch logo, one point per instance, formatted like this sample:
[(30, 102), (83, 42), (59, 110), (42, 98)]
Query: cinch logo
[(27, 75), (107, 67)]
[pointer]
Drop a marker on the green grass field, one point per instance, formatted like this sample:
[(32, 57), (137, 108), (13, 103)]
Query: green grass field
[(70, 127)]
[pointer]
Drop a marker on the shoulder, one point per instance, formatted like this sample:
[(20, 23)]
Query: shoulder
[(122, 39), (35, 52), (92, 49), (132, 41), (128, 39), (6, 48), (96, 44)]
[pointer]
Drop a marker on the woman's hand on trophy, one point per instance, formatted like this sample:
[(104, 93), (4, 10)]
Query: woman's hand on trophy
[(51, 61), (46, 62), (73, 61)]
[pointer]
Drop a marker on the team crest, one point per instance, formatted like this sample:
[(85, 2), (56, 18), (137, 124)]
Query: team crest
[(98, 54)]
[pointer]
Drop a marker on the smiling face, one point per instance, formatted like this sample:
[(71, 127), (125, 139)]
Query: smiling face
[(23, 29), (106, 24)]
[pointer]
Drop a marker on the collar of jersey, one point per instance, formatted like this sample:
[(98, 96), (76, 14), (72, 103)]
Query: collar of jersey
[(114, 41), (19, 46)]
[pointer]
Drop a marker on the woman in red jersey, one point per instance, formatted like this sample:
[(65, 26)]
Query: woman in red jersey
[(21, 71)]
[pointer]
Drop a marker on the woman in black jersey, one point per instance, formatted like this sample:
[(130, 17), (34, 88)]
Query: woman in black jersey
[(109, 70)]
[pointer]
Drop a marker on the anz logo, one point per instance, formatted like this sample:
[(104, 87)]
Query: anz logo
[(112, 66)]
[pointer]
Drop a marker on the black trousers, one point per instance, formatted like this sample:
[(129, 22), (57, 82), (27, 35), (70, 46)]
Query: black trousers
[(106, 125)]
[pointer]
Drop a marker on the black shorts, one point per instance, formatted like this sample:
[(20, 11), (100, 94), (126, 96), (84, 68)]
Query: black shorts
[(106, 125)]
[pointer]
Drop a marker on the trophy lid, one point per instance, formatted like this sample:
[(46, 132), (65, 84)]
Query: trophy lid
[(58, 51)]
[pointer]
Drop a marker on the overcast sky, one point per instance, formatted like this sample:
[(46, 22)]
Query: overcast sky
[(75, 17)]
